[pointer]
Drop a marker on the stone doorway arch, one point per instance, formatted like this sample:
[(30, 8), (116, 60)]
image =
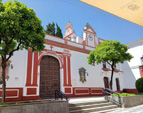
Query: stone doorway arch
[(49, 76)]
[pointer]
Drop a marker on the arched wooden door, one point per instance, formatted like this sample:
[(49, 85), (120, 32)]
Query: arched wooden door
[(106, 82), (49, 76)]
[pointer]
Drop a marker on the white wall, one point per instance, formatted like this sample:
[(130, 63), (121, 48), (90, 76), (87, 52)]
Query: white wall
[(18, 73), (84, 36), (137, 53), (79, 60), (95, 73), (130, 75), (131, 69)]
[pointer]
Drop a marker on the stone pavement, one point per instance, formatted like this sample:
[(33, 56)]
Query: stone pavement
[(136, 109), (85, 99)]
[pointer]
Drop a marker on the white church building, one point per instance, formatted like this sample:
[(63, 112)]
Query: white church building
[(62, 65)]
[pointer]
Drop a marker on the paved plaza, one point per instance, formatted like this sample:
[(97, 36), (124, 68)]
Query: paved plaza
[(85, 99), (136, 109)]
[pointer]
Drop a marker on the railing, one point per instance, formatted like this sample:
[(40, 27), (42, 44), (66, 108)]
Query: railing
[(110, 97), (60, 94)]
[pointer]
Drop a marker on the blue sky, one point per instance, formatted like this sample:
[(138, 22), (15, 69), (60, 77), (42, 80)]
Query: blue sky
[(107, 26)]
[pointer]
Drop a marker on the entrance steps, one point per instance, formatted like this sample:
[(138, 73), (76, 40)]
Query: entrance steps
[(98, 106)]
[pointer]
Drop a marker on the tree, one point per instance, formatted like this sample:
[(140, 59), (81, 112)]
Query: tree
[(59, 32), (112, 52), (48, 30), (51, 29), (139, 85), (20, 28), (87, 25)]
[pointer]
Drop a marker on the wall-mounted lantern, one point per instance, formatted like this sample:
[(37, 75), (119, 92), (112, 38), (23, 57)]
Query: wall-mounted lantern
[(11, 66)]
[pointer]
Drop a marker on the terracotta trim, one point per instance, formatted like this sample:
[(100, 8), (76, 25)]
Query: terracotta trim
[(13, 94), (65, 72), (35, 72), (29, 68), (57, 44), (54, 54), (31, 98), (106, 69), (85, 91), (31, 91), (68, 35), (70, 41), (69, 71), (115, 70), (91, 29), (141, 71)]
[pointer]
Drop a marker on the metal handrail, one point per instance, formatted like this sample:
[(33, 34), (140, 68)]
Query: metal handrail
[(60, 94), (110, 97)]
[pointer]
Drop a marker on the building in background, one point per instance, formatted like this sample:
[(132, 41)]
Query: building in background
[(133, 70)]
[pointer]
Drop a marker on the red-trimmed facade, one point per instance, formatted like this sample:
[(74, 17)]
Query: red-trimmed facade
[(13, 94), (65, 51), (84, 91)]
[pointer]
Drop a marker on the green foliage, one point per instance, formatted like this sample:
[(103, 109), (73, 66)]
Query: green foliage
[(20, 28), (87, 25), (91, 57), (125, 94), (3, 103), (109, 51), (51, 30), (139, 85), (27, 102), (59, 32)]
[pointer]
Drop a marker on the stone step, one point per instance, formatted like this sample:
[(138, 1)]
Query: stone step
[(96, 109), (106, 111), (85, 106), (87, 103)]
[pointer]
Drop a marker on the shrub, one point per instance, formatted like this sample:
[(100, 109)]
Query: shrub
[(125, 94), (139, 85)]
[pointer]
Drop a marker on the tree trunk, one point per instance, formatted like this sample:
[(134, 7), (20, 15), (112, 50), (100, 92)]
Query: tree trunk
[(3, 80), (111, 82)]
